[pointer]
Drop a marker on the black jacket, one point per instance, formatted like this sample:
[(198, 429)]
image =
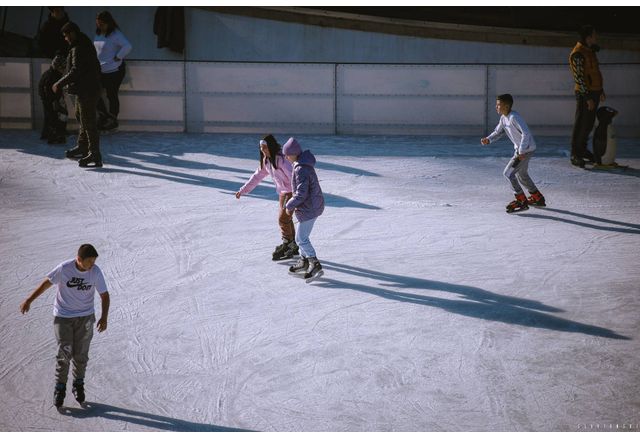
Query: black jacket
[(83, 68), (168, 25), (47, 79), (50, 37)]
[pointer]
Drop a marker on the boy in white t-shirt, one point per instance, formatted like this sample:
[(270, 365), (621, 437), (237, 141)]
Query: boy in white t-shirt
[(76, 280)]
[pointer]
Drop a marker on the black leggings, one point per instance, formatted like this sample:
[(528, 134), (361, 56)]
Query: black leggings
[(111, 84)]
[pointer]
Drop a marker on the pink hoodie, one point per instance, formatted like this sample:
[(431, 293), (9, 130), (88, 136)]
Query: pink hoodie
[(281, 176)]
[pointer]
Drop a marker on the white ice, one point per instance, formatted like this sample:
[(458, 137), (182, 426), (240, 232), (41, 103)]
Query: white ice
[(437, 311)]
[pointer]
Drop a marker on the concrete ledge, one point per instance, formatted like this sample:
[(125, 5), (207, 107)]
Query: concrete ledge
[(424, 29)]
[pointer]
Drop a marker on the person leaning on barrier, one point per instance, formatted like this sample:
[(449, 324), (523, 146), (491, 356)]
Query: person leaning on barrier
[(589, 92)]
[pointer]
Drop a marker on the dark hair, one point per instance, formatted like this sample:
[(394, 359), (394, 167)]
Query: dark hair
[(586, 31), (70, 27), (106, 17), (506, 98), (87, 251), (274, 149)]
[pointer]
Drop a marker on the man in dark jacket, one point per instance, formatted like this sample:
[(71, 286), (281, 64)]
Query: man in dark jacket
[(83, 81), (53, 104), (50, 37)]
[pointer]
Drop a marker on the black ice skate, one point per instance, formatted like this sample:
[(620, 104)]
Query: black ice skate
[(300, 267), (577, 161), (78, 391), (536, 199), (286, 250), (519, 204), (93, 160), (76, 153), (59, 394), (314, 271)]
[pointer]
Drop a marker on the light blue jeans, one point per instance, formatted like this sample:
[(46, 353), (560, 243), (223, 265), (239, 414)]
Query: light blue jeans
[(302, 238)]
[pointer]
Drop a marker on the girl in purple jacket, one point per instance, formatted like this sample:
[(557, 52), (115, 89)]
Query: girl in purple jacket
[(273, 163), (307, 203)]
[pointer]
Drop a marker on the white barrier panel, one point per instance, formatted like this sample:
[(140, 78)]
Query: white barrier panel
[(238, 97), (410, 99), (15, 94), (331, 98), (152, 97), (153, 76), (544, 96)]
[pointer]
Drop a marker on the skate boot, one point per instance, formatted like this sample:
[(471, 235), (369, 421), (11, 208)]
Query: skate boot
[(59, 394), (78, 390), (589, 157), (577, 161), (286, 250), (314, 271), (520, 203), (300, 267), (93, 157), (291, 250), (76, 153), (279, 251), (536, 199)]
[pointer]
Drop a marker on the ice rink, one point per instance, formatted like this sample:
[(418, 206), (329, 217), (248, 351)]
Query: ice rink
[(437, 312)]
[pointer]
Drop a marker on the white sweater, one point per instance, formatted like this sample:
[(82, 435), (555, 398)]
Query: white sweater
[(517, 131), (108, 48)]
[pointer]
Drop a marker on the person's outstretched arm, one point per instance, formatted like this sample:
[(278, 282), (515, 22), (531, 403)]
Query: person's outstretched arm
[(26, 305)]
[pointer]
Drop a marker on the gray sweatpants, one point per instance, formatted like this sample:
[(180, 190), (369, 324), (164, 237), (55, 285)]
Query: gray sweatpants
[(517, 172), (74, 337)]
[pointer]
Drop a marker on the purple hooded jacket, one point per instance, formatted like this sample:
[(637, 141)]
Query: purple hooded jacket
[(307, 200)]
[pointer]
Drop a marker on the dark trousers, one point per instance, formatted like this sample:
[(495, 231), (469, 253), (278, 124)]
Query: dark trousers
[(583, 124), (88, 136), (111, 83), (53, 126)]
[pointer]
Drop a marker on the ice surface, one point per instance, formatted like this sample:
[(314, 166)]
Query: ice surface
[(437, 310)]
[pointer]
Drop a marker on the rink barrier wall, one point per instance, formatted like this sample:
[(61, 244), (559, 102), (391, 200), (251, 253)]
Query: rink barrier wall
[(328, 98)]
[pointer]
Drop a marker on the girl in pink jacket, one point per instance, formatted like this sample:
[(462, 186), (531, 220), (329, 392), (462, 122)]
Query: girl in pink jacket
[(273, 163)]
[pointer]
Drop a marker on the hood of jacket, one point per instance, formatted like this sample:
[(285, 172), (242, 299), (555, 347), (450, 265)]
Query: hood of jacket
[(307, 159)]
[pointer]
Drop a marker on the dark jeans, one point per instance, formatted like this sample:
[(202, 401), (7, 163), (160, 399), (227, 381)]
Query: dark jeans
[(53, 126), (111, 83), (88, 136), (583, 123)]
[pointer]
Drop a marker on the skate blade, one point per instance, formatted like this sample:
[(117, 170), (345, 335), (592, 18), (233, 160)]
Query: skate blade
[(315, 276), (517, 210), (298, 274), (283, 258), (96, 165)]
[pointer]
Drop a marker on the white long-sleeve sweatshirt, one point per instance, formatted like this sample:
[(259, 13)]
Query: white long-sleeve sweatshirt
[(110, 47), (517, 131)]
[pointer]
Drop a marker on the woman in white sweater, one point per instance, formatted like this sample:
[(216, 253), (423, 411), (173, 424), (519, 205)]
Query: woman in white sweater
[(112, 47)]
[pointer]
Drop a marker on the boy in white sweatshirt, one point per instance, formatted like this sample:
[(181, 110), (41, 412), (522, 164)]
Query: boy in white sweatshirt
[(517, 170)]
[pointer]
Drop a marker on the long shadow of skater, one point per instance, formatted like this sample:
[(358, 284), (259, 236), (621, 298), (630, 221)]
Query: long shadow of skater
[(226, 186), (476, 303), (629, 227), (345, 169), (97, 410)]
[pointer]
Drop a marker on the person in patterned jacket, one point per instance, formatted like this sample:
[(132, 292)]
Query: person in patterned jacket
[(589, 92)]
